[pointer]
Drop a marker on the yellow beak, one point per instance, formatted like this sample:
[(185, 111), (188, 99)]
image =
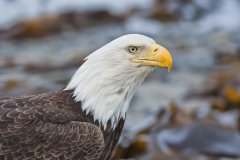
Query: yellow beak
[(157, 56)]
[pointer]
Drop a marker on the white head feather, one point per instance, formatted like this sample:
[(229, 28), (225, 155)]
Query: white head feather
[(107, 80)]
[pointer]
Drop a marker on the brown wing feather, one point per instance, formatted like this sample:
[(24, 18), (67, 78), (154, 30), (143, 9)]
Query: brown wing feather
[(47, 127)]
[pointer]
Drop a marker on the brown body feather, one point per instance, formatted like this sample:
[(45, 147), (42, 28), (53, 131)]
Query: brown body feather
[(53, 126)]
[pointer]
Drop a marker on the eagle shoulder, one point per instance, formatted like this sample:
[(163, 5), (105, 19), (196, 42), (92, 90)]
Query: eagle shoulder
[(47, 126)]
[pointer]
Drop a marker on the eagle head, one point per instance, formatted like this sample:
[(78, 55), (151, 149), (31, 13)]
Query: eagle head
[(107, 80)]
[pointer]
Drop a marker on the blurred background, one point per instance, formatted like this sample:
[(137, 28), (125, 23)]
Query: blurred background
[(193, 113)]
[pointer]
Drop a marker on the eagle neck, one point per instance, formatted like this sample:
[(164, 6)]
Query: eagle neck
[(106, 92)]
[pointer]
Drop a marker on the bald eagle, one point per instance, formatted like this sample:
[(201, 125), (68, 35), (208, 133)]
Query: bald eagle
[(83, 121)]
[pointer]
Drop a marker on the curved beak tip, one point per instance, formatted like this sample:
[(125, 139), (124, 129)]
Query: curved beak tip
[(169, 66), (166, 58)]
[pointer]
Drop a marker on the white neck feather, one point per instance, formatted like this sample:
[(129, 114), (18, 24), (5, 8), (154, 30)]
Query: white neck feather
[(106, 86)]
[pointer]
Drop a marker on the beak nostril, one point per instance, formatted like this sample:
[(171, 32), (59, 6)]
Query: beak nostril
[(155, 50)]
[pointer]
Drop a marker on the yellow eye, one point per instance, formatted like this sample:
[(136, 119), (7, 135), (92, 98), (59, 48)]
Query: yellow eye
[(133, 49)]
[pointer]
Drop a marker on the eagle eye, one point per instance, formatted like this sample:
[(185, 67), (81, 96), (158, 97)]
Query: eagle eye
[(133, 49)]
